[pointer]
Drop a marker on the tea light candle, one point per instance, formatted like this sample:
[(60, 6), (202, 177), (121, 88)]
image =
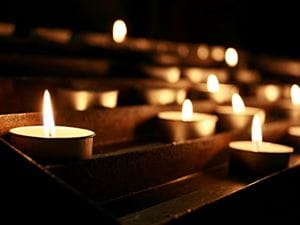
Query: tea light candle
[(162, 96), (291, 107), (50, 142), (198, 74), (220, 93), (268, 92), (179, 126), (294, 136), (170, 74), (237, 116), (81, 100), (257, 156)]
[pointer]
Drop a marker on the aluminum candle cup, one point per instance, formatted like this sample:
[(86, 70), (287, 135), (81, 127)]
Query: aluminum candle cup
[(170, 74), (228, 119), (197, 75), (268, 92), (291, 107), (247, 76), (290, 110), (162, 96), (176, 129), (222, 95), (294, 137), (81, 100), (256, 156), (67, 143), (270, 157), (7, 29)]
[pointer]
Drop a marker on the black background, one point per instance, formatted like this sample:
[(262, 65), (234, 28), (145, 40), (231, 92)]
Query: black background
[(267, 27)]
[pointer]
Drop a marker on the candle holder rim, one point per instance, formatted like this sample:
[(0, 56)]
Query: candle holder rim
[(290, 149), (203, 87), (205, 117), (253, 110), (92, 134)]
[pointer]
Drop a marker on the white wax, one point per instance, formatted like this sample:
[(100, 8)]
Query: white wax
[(61, 132), (177, 116), (264, 147)]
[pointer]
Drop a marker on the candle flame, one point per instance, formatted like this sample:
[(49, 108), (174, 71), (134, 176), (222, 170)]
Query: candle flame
[(238, 105), (213, 83), (295, 94), (187, 110), (256, 132), (49, 125), (119, 31), (231, 57)]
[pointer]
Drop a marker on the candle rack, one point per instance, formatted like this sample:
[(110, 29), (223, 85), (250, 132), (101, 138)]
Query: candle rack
[(134, 177)]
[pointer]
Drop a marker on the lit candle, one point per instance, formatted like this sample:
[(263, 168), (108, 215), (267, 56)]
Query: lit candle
[(257, 156), (50, 142), (268, 92), (198, 74), (237, 116), (81, 100), (179, 126), (170, 74), (220, 93), (294, 136), (292, 107), (119, 31), (231, 57), (161, 96)]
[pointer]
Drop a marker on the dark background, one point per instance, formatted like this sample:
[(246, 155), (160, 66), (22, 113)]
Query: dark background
[(267, 27)]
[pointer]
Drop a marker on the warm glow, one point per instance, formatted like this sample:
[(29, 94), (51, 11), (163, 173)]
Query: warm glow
[(49, 125), (183, 50), (256, 132), (295, 94), (213, 83), (203, 52), (218, 53), (108, 99), (172, 75), (119, 31), (272, 93), (238, 105), (231, 57), (81, 100), (187, 110)]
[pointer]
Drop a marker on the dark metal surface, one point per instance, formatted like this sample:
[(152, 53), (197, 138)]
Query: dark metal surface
[(29, 193), (150, 182)]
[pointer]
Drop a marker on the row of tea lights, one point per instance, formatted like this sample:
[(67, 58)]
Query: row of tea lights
[(49, 141), (118, 38)]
